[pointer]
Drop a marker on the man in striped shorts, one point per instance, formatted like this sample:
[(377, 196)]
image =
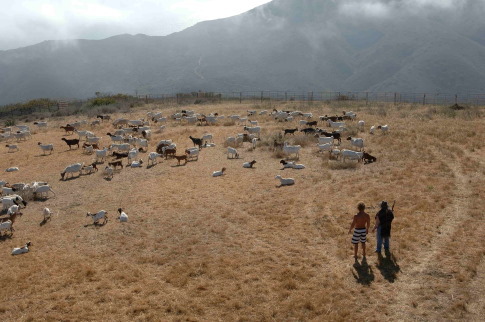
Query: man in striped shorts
[(360, 224)]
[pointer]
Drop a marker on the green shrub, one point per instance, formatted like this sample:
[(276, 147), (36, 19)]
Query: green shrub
[(100, 101), (9, 123)]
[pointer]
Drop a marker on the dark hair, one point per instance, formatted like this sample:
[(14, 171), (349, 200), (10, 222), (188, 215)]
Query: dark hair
[(361, 206), (384, 205)]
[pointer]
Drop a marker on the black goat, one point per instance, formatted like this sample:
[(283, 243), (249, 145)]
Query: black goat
[(290, 131), (312, 123), (119, 155), (335, 135), (71, 142), (368, 158), (197, 141), (308, 130), (114, 164)]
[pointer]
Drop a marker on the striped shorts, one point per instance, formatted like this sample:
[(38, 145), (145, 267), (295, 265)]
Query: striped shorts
[(359, 235)]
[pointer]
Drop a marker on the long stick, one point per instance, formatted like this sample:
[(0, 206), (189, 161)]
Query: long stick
[(392, 209)]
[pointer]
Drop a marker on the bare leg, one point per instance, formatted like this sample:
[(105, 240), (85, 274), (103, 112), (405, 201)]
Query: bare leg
[(356, 248), (363, 249)]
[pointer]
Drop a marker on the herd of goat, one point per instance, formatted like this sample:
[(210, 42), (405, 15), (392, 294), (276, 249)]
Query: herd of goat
[(130, 138)]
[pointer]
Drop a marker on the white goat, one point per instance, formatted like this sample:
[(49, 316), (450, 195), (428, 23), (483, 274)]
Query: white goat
[(93, 139), (324, 140), (384, 128), (253, 130), (101, 154), (231, 152), (249, 164), (292, 149), (47, 213), (102, 214), (358, 142), (352, 155), (71, 169), (136, 164), (285, 181), (152, 157), (123, 216), (43, 190), (361, 125), (46, 147), (108, 172), (207, 138), (22, 250), (132, 155), (192, 153), (372, 129), (254, 142), (218, 173), (12, 147), (335, 125)]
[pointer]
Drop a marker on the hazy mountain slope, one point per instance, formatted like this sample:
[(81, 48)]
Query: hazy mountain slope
[(283, 45)]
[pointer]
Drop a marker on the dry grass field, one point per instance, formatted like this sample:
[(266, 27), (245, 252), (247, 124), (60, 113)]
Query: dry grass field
[(238, 247)]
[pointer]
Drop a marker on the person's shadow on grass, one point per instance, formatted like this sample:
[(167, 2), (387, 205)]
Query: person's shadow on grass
[(362, 272), (388, 266)]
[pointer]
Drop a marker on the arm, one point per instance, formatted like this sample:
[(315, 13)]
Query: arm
[(367, 224), (377, 224), (352, 225)]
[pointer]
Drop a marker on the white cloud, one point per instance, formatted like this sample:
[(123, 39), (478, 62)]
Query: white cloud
[(365, 8), (26, 22)]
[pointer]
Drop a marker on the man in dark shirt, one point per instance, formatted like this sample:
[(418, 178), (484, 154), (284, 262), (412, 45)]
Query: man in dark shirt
[(383, 225)]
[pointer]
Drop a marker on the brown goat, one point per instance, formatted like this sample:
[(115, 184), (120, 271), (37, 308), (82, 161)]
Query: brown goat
[(68, 128), (170, 152), (180, 158)]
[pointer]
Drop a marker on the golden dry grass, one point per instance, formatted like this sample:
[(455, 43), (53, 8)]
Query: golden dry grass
[(238, 247)]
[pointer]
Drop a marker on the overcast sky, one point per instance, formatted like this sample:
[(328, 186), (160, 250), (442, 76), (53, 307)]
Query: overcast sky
[(27, 22)]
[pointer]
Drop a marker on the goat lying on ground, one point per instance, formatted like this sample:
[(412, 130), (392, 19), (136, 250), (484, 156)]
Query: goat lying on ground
[(285, 181), (218, 173), (22, 250), (123, 216), (368, 158), (249, 164)]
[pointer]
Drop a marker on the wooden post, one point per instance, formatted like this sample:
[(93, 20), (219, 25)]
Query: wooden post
[(286, 96), (456, 99), (146, 99), (424, 99), (261, 96), (395, 98), (240, 97), (366, 98)]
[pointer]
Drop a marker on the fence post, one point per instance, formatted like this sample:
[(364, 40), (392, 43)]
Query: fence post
[(424, 99), (240, 97), (146, 99), (261, 96), (395, 98), (456, 99), (366, 98)]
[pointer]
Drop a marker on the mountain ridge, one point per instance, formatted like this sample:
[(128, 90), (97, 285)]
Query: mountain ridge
[(282, 45)]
